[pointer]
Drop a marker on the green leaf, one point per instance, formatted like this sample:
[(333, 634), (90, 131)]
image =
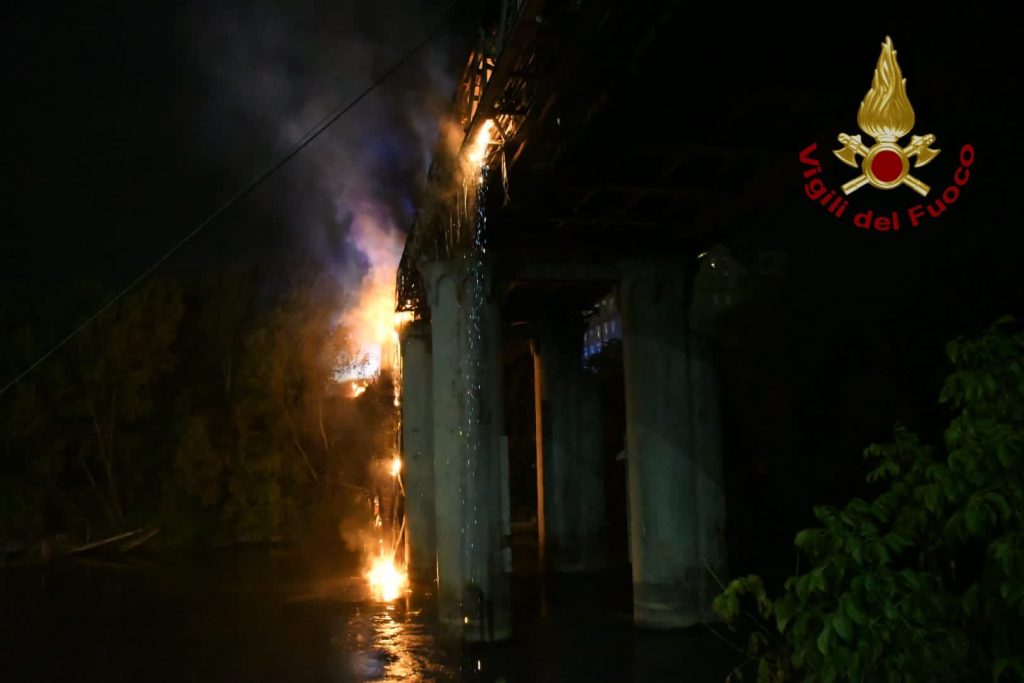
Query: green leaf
[(854, 547), (854, 666), (816, 579), (929, 494), (726, 605), (843, 626), (825, 639), (764, 606), (807, 538), (784, 609), (1004, 553), (976, 515), (896, 541), (953, 351), (851, 606), (999, 503), (803, 587), (871, 586)]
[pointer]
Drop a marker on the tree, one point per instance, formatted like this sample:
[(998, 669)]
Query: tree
[(118, 361), (924, 582), (84, 421), (254, 444)]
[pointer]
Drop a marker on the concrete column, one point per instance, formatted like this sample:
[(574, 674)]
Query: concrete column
[(570, 466), (418, 450), (668, 493), (706, 426), (491, 475), (473, 588)]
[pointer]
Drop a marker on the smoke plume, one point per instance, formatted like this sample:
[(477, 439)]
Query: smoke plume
[(271, 72)]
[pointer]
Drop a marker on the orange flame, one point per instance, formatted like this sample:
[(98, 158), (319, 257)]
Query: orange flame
[(371, 322), (476, 154), (386, 580)]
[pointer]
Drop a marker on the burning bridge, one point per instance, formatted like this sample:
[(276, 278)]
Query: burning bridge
[(571, 190)]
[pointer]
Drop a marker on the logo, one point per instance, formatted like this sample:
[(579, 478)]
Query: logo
[(885, 116)]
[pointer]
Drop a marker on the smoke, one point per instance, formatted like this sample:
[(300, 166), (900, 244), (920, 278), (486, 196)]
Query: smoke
[(272, 71)]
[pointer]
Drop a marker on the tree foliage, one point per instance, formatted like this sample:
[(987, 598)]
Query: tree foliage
[(205, 407), (77, 431), (924, 582)]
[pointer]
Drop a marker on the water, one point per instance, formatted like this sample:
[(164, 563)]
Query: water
[(253, 616), (266, 617)]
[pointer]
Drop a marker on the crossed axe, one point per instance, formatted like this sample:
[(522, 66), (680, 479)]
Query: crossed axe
[(918, 147)]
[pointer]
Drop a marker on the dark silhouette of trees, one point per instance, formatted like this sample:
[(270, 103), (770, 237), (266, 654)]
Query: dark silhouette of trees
[(206, 407)]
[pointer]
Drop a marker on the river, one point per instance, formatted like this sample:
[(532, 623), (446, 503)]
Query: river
[(282, 616)]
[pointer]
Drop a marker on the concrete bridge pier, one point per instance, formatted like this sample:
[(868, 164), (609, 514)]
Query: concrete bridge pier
[(674, 458), (418, 450), (706, 438), (570, 468), (468, 431)]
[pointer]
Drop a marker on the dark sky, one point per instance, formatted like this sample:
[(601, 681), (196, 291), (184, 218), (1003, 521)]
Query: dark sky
[(126, 123)]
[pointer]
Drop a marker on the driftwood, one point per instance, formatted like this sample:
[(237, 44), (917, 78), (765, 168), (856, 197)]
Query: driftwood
[(105, 542), (138, 540), (58, 548)]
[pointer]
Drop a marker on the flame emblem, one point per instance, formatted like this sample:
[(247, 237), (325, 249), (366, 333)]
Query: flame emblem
[(886, 115)]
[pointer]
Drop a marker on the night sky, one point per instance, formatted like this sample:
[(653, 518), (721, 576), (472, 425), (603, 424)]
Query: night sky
[(126, 124)]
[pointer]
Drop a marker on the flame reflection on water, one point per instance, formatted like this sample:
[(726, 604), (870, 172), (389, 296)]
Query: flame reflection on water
[(392, 644)]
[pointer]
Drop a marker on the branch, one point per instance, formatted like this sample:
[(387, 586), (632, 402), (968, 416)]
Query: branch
[(105, 541), (305, 457), (92, 482), (323, 432)]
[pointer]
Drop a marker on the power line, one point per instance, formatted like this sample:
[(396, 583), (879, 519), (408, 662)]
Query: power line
[(310, 135)]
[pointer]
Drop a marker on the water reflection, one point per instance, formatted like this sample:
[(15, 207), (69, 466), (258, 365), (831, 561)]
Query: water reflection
[(390, 643), (261, 618)]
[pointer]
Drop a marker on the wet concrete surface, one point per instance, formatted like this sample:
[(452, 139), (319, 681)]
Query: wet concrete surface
[(261, 617)]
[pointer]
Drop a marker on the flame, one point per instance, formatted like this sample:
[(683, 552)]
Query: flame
[(396, 466), (885, 113), (477, 151), (358, 388), (400, 319), (371, 322), (386, 580)]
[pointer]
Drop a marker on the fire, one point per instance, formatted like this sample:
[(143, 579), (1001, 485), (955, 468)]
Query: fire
[(358, 388), (386, 580), (371, 322), (478, 148), (396, 466), (400, 319)]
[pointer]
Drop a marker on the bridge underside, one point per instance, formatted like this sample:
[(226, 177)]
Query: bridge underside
[(555, 297)]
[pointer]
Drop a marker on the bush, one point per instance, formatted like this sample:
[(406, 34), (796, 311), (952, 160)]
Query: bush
[(926, 581)]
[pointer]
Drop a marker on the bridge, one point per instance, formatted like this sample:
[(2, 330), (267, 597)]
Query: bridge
[(574, 202)]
